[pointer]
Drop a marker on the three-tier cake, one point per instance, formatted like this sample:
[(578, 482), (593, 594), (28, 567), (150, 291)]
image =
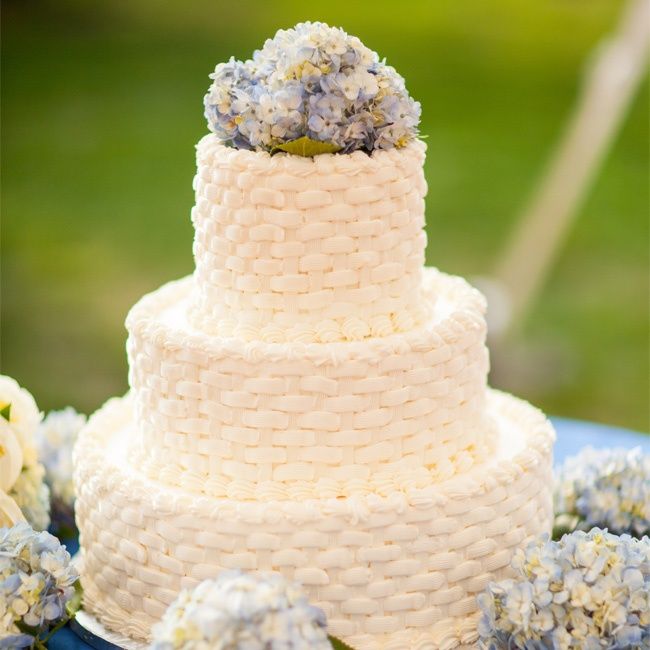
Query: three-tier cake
[(312, 401)]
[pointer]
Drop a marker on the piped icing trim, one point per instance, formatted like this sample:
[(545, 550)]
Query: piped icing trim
[(105, 624), (448, 634), (466, 314), (91, 463), (352, 164), (351, 328)]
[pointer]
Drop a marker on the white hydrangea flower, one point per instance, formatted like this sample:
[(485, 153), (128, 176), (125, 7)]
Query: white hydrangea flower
[(257, 132), (36, 581), (597, 596), (55, 438), (608, 488), (238, 611)]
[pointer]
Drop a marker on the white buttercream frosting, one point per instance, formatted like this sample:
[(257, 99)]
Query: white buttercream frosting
[(387, 570), (402, 478), (285, 241), (313, 402), (247, 415)]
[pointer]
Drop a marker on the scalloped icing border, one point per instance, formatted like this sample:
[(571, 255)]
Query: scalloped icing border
[(90, 459), (352, 164), (467, 314), (447, 634), (351, 328), (383, 483)]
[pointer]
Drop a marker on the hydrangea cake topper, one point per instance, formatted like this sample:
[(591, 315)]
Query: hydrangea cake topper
[(311, 89)]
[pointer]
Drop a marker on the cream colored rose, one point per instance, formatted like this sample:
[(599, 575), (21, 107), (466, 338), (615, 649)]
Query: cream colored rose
[(24, 416), (11, 457), (10, 513)]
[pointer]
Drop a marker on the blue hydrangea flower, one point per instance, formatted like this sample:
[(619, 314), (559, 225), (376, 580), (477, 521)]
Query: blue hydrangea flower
[(315, 81), (589, 590), (242, 611), (36, 582), (609, 488)]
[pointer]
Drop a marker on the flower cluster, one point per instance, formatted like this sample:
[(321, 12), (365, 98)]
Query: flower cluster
[(608, 488), (311, 81), (37, 580), (242, 611), (55, 438), (22, 483), (589, 590)]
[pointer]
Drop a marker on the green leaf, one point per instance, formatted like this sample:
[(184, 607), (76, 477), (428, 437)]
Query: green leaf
[(337, 644), (306, 147), (5, 412), (74, 604)]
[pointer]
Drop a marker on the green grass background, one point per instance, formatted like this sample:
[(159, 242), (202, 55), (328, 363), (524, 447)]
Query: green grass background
[(102, 105)]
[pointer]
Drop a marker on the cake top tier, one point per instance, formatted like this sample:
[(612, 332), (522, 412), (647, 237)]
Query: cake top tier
[(322, 249), (311, 89)]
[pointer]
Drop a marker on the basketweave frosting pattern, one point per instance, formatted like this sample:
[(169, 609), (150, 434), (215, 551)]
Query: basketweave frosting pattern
[(322, 249), (390, 573), (233, 426)]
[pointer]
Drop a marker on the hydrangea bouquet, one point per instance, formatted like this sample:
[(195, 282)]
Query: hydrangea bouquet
[(38, 587), (589, 591), (608, 488), (309, 90), (239, 610)]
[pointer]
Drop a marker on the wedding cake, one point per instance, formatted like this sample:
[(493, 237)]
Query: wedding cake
[(312, 400)]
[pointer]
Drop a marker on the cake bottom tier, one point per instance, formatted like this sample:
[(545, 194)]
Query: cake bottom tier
[(391, 573)]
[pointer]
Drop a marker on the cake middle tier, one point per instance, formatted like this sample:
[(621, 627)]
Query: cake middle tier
[(225, 416)]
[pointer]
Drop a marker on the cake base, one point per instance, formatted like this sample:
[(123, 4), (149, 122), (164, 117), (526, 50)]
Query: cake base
[(391, 573), (92, 632)]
